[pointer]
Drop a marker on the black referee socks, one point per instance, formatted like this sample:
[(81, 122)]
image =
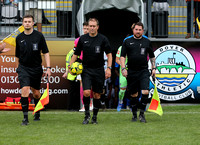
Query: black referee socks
[(97, 105), (25, 105), (86, 101), (143, 103), (134, 104)]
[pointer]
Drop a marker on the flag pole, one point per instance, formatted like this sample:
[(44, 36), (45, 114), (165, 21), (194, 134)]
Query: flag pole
[(48, 84)]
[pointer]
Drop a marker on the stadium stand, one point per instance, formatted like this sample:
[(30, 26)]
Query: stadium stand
[(177, 18)]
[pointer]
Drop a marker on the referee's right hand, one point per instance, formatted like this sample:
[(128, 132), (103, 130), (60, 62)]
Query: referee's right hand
[(48, 73), (108, 73)]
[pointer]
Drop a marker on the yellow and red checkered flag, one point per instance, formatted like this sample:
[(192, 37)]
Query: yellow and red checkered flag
[(43, 100), (155, 103), (10, 39)]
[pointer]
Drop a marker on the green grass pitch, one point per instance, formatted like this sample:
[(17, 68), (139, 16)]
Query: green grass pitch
[(179, 125)]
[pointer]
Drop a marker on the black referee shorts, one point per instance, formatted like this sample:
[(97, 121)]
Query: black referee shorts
[(138, 80), (93, 78), (30, 76)]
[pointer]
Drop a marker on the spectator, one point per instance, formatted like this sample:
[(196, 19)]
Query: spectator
[(44, 19), (160, 18), (196, 14), (73, 78), (122, 81), (10, 2), (74, 85), (160, 5), (104, 95), (31, 7)]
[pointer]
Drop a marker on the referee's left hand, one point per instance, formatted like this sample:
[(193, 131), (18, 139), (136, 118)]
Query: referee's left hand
[(108, 73)]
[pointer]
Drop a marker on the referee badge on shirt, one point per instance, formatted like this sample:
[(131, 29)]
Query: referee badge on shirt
[(97, 49), (35, 46), (142, 51)]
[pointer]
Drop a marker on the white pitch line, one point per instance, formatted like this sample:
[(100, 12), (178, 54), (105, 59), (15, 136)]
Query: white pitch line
[(123, 112), (106, 112)]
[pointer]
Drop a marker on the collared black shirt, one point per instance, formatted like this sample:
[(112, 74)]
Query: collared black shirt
[(137, 51), (93, 50), (29, 48)]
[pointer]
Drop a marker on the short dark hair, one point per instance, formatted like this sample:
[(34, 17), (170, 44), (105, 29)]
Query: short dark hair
[(138, 24), (28, 16), (93, 19), (85, 24)]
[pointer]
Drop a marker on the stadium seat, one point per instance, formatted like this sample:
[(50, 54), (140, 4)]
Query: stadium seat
[(9, 14)]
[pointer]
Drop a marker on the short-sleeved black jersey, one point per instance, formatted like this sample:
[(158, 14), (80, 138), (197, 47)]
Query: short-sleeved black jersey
[(93, 50), (29, 48), (137, 51)]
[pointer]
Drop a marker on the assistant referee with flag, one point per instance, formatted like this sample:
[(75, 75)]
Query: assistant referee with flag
[(136, 48), (29, 45)]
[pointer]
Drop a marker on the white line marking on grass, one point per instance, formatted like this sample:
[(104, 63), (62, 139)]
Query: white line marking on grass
[(106, 112), (125, 112)]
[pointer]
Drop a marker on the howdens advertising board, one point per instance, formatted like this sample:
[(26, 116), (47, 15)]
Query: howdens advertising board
[(58, 86)]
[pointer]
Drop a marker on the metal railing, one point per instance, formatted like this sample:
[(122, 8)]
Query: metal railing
[(58, 16), (177, 22)]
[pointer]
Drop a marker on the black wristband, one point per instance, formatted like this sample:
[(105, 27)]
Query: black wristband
[(123, 68), (49, 67), (109, 67), (153, 68)]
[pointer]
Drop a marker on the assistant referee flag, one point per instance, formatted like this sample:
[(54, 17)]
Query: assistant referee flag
[(43, 100), (155, 103), (10, 39)]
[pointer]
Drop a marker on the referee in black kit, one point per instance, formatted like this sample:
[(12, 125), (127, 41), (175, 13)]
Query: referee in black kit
[(93, 46), (137, 48), (29, 45)]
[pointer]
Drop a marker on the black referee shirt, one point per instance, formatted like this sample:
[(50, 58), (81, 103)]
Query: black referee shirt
[(137, 51), (93, 50), (29, 48)]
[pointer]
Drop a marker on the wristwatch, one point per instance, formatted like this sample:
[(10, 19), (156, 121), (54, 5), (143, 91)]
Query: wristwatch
[(109, 67)]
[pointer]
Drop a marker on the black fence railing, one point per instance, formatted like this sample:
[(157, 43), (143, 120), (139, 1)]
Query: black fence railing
[(173, 18), (57, 18), (54, 18)]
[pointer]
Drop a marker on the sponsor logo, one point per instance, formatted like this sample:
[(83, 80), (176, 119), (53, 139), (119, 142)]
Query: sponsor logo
[(175, 71)]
